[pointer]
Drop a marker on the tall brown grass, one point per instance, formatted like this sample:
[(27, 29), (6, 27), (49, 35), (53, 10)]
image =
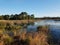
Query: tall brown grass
[(25, 38)]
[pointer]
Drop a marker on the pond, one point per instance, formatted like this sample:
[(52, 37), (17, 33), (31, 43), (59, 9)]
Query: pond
[(54, 27)]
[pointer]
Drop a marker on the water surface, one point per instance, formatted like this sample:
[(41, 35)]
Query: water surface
[(54, 27)]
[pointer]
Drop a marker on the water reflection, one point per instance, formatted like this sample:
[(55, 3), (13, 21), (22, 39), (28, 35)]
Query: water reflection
[(47, 22), (54, 28), (31, 28)]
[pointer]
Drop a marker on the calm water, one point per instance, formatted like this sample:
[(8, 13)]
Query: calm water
[(54, 27)]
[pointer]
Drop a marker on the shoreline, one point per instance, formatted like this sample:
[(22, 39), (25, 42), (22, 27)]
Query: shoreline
[(18, 21)]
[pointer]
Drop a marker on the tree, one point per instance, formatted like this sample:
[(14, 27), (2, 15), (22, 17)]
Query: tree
[(15, 17), (1, 17), (11, 17), (6, 17), (32, 16), (23, 15)]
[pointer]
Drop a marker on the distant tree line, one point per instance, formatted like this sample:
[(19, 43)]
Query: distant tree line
[(48, 18), (21, 16)]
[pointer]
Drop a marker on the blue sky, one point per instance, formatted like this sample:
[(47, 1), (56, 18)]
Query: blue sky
[(41, 8)]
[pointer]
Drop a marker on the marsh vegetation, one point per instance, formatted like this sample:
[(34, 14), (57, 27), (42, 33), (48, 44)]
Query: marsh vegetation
[(16, 34)]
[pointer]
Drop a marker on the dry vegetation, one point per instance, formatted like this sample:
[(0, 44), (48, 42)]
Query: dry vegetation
[(40, 37), (17, 21)]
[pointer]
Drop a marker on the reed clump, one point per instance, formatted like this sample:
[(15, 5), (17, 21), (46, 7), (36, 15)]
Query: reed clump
[(40, 37)]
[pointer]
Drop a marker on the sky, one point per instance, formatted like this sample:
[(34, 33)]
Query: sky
[(40, 8)]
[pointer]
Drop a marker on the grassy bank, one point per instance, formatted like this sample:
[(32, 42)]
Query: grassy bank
[(11, 34), (17, 21)]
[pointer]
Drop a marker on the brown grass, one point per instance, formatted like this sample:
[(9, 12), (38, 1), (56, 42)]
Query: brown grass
[(33, 38)]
